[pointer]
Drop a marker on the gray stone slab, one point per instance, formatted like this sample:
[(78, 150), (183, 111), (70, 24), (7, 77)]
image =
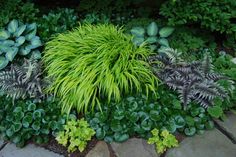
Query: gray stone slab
[(229, 125), (100, 150), (134, 148), (10, 150), (211, 144), (1, 143)]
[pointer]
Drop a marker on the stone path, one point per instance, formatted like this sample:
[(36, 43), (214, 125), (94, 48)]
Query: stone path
[(211, 144)]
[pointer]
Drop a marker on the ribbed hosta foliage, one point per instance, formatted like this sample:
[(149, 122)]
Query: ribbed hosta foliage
[(94, 62)]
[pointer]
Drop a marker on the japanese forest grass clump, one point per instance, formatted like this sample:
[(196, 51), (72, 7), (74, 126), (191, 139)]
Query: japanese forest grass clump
[(98, 62)]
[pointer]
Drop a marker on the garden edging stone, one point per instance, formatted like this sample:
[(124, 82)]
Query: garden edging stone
[(229, 125), (100, 150), (211, 144), (134, 147), (10, 150)]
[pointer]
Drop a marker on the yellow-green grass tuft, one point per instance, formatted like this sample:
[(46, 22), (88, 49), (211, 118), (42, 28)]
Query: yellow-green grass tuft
[(94, 62)]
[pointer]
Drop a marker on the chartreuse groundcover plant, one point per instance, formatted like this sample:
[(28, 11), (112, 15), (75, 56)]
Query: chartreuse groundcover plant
[(98, 62), (162, 140), (76, 134)]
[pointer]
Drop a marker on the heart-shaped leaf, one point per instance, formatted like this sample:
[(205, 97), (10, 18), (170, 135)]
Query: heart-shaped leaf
[(12, 26)]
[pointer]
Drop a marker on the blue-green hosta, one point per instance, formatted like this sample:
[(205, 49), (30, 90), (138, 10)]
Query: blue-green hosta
[(18, 39), (154, 36)]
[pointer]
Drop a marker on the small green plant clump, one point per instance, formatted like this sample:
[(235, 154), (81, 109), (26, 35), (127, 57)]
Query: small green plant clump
[(76, 134), (18, 39), (162, 140), (25, 12), (98, 62), (28, 120), (57, 21), (154, 36)]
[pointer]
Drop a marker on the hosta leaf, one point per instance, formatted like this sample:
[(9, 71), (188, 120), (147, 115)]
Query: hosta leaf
[(10, 55), (119, 115), (151, 40), (35, 42), (171, 127), (138, 40), (138, 31), (24, 51), (163, 42), (20, 30), (12, 26), (152, 29), (116, 126), (3, 62), (8, 43), (20, 40), (30, 36), (166, 31), (53, 125), (10, 132), (4, 35)]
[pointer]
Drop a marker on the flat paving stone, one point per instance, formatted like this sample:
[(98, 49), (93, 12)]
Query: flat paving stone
[(211, 144), (100, 150), (134, 148), (10, 150), (1, 143), (229, 125)]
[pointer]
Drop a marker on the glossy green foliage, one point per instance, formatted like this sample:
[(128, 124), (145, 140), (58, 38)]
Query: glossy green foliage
[(225, 65), (17, 9), (76, 134), (153, 35), (163, 140), (18, 39), (96, 62), (23, 81), (96, 18), (57, 21), (211, 14), (139, 115), (190, 40), (27, 120)]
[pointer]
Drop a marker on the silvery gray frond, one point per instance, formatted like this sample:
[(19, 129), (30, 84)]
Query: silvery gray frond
[(194, 81), (22, 81)]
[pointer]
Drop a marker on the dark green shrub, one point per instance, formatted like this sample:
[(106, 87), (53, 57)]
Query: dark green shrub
[(139, 115), (17, 9), (212, 14), (29, 120), (57, 21)]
